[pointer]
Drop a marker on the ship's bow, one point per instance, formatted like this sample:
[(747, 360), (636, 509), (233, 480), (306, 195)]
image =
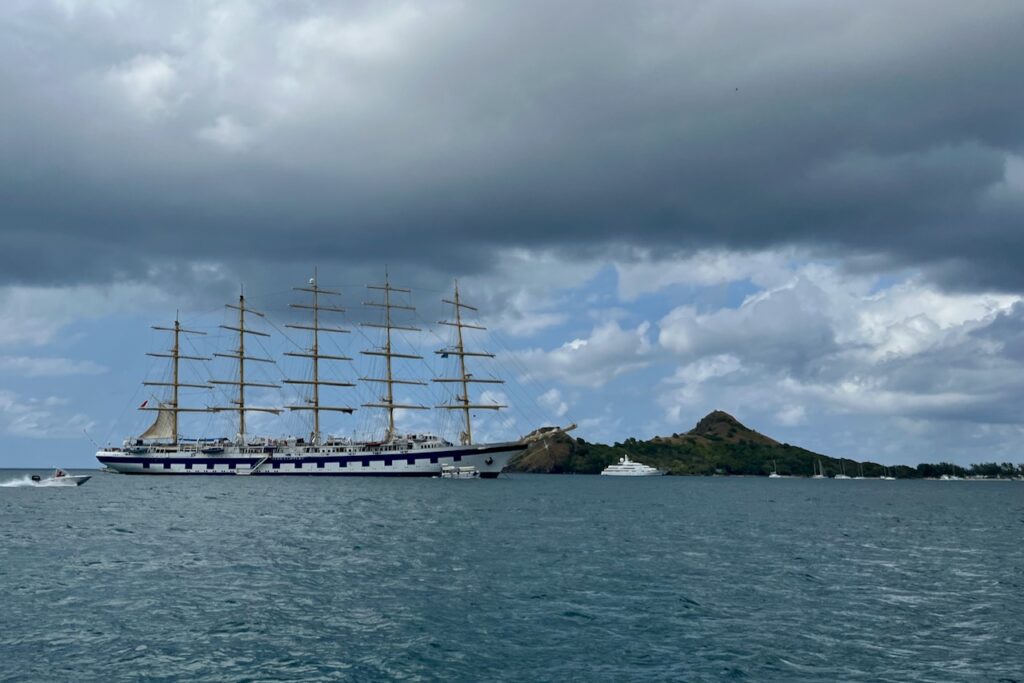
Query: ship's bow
[(494, 458)]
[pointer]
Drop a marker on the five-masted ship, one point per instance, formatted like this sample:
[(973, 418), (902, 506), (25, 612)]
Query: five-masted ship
[(161, 449)]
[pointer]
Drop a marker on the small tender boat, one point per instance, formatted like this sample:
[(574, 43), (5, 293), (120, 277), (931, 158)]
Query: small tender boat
[(62, 478), (628, 468), (457, 472)]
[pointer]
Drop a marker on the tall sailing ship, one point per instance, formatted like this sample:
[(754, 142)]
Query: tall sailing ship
[(161, 449)]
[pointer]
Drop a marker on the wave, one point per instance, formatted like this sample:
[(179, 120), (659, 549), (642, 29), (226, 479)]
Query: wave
[(27, 481)]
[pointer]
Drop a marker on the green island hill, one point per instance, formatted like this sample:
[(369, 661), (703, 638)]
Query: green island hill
[(718, 445)]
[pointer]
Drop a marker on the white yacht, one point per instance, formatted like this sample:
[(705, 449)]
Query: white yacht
[(628, 468)]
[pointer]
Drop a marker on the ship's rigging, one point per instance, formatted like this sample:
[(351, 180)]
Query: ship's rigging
[(321, 302), (166, 424), (462, 401), (238, 404), (387, 401)]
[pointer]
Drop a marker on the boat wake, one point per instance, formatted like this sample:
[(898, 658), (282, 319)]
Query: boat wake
[(27, 481)]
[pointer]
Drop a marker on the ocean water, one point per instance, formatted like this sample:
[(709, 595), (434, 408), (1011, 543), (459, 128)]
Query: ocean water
[(524, 578)]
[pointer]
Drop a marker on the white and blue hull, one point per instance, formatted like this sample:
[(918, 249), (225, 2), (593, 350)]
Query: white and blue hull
[(489, 460)]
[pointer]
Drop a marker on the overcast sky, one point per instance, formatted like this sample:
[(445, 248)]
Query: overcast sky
[(806, 213)]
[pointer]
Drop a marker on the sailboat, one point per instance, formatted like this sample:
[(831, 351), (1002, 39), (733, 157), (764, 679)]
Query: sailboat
[(819, 472), (886, 476), (161, 449), (775, 472), (842, 474)]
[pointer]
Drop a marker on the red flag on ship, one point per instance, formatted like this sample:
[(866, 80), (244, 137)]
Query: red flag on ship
[(144, 403)]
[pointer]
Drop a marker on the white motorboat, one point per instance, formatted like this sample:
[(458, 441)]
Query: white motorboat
[(61, 478), (628, 468)]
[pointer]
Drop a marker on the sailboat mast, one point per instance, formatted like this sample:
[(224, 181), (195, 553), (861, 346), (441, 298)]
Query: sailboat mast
[(241, 367), (174, 407), (316, 359), (314, 354), (239, 405), (176, 351), (462, 367), (389, 380), (387, 355), (462, 402)]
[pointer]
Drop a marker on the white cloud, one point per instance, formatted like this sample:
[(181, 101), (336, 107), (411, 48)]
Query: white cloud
[(645, 273), (528, 291), (789, 324), (1010, 192), (608, 352), (227, 133), (869, 395), (830, 342), (35, 315), (148, 83), (604, 428), (552, 400), (912, 317), (707, 368), (36, 418), (373, 37), (822, 312), (792, 415), (28, 366)]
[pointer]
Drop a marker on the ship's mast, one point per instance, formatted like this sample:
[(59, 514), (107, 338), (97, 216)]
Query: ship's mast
[(176, 357), (389, 380), (314, 354), (239, 405), (465, 379)]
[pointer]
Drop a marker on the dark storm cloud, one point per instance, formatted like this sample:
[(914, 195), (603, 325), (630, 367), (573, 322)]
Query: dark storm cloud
[(133, 136)]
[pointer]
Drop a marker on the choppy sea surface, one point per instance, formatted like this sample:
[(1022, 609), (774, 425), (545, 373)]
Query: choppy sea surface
[(523, 578)]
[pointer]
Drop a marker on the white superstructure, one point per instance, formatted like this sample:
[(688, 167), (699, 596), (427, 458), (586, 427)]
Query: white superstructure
[(628, 468)]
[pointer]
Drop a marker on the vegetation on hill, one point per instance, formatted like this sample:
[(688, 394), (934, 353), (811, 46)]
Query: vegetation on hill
[(718, 444)]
